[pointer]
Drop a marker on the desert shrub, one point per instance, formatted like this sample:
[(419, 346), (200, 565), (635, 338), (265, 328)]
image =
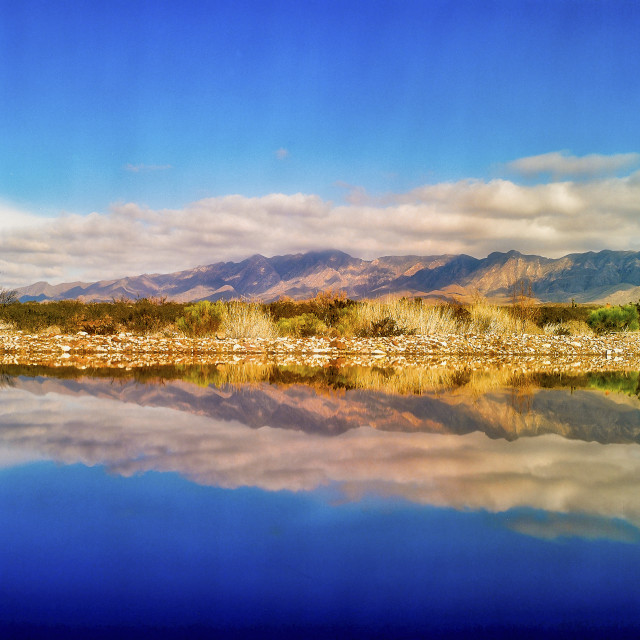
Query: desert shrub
[(395, 317), (621, 318), (306, 324), (386, 327), (139, 316), (523, 309), (570, 328), (327, 306), (555, 329), (247, 320), (201, 319), (330, 306), (8, 296), (34, 316), (460, 313), (145, 315), (489, 318), (562, 313)]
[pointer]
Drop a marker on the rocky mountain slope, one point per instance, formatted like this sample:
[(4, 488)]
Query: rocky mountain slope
[(606, 276)]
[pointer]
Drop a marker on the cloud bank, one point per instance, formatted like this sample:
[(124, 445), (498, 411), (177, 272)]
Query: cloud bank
[(560, 164), (469, 216)]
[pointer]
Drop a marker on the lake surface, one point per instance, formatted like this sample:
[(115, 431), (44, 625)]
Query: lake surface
[(257, 501)]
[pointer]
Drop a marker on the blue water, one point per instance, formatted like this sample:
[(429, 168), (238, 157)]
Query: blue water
[(84, 553)]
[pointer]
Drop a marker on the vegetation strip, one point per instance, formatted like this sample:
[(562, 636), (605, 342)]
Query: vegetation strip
[(328, 314), (320, 331)]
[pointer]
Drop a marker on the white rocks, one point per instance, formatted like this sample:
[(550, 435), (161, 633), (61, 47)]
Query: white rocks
[(620, 351)]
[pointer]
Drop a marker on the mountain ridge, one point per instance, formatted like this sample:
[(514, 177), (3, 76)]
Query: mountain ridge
[(604, 276)]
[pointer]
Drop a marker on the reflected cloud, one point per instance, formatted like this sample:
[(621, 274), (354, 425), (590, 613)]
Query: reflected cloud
[(469, 471), (554, 526)]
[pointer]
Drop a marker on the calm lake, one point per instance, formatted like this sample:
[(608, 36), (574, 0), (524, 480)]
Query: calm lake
[(257, 501)]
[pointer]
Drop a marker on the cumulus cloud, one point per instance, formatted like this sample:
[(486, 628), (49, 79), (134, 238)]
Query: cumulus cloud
[(468, 216), (560, 164)]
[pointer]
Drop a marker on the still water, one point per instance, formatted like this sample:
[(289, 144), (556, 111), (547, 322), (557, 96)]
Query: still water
[(257, 501)]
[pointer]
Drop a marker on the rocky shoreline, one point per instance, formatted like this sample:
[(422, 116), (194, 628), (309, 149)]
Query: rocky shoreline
[(613, 352)]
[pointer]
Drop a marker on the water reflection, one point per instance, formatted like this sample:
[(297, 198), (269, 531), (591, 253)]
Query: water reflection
[(416, 435), (600, 407)]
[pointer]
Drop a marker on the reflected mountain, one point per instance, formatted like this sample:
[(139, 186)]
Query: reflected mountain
[(127, 427), (300, 429), (329, 401)]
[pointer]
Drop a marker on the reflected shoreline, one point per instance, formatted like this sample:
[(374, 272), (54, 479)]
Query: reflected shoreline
[(395, 380), (502, 404)]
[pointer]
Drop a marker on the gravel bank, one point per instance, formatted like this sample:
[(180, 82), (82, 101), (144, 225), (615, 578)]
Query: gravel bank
[(534, 352)]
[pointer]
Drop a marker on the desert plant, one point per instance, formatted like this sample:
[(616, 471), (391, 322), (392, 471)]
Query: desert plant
[(201, 319), (489, 318), (562, 313), (569, 328), (523, 306), (394, 317), (306, 324), (247, 320), (8, 296), (620, 318), (329, 307)]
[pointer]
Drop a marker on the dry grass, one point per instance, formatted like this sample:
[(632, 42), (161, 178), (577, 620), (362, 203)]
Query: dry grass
[(490, 318), (409, 317), (247, 320), (569, 328), (401, 381), (411, 380), (420, 380)]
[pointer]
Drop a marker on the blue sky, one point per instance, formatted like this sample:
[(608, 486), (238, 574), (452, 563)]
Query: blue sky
[(168, 103)]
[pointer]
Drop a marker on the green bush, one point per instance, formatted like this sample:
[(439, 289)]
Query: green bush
[(328, 307), (606, 319), (201, 319), (69, 316), (301, 326), (562, 313)]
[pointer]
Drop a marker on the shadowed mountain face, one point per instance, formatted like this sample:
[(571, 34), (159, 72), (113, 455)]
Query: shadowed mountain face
[(612, 276)]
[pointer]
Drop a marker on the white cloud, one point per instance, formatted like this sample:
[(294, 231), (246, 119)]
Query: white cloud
[(469, 216), (560, 164)]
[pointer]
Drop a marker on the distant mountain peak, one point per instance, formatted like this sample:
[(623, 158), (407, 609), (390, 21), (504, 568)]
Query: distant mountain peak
[(585, 277)]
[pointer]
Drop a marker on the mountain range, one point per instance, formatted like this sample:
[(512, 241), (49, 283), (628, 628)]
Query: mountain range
[(605, 276)]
